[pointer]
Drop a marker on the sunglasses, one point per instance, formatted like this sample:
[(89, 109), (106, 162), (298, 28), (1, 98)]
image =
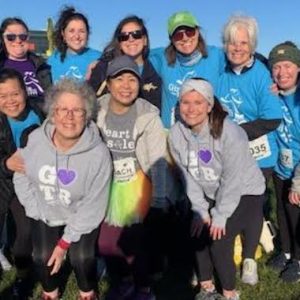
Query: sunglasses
[(124, 36), (179, 35), (12, 36)]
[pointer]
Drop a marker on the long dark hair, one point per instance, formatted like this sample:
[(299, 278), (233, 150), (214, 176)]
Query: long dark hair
[(171, 51), (216, 119), (5, 23), (113, 47), (67, 15)]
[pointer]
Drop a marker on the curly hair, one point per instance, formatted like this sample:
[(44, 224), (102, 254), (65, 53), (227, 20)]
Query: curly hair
[(67, 15), (69, 85)]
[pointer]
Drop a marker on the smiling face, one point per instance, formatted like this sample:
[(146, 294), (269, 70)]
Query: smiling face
[(285, 74), (133, 46), (69, 117), (12, 98), (194, 110), (75, 35), (239, 50), (16, 49), (124, 90), (188, 42)]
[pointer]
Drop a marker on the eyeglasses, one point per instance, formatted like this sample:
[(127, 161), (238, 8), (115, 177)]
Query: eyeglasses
[(179, 35), (12, 36), (124, 36), (63, 112)]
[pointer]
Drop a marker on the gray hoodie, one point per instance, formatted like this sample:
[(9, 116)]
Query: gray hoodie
[(70, 188), (219, 169), (151, 148)]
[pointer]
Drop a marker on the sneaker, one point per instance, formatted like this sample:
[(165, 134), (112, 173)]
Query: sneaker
[(279, 262), (142, 295), (207, 295), (249, 271), (5, 264), (292, 272), (122, 291), (194, 280)]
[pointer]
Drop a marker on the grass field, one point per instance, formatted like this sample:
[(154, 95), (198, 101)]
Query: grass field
[(175, 284)]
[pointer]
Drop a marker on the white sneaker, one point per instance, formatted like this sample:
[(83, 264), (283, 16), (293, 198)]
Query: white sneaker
[(249, 271), (5, 264)]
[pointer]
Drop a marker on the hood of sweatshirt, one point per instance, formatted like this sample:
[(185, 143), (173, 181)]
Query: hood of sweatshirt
[(89, 138)]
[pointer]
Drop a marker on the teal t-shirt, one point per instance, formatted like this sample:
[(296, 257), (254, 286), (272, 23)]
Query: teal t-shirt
[(18, 127)]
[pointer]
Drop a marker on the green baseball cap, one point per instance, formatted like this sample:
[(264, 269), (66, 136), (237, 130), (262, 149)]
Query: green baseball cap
[(182, 18)]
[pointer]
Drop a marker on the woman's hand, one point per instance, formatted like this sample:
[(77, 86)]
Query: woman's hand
[(90, 68), (294, 198), (197, 225), (56, 259), (15, 163), (274, 89), (216, 233)]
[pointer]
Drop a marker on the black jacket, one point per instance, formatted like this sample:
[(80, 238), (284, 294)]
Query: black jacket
[(7, 148), (150, 82)]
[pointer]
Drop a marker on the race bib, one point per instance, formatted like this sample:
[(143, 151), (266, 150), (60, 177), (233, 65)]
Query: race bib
[(124, 169), (286, 158), (260, 148)]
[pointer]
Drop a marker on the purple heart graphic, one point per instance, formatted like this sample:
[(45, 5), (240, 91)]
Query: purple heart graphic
[(205, 155), (66, 176)]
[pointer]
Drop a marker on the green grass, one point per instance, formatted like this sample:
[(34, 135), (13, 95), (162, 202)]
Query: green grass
[(175, 287), (175, 283)]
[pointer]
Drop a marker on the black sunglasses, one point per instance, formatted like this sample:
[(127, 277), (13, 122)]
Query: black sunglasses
[(124, 36), (179, 34), (12, 36)]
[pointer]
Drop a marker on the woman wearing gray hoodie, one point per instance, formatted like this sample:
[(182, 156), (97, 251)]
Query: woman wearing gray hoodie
[(222, 182), (65, 187)]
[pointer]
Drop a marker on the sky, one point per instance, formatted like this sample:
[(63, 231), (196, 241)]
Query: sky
[(278, 20)]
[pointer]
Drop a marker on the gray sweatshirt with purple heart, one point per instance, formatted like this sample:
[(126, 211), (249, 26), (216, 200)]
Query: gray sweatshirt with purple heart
[(219, 169), (69, 189)]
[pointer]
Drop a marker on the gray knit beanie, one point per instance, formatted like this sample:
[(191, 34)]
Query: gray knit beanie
[(284, 51)]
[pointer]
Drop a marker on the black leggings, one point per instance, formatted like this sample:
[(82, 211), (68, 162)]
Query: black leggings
[(19, 235), (247, 219), (81, 253), (288, 216)]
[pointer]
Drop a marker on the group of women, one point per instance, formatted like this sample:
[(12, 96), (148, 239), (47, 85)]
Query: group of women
[(77, 171)]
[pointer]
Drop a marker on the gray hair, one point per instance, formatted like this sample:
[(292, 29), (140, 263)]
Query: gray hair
[(68, 85), (236, 22)]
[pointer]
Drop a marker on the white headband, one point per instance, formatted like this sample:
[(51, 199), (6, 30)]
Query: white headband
[(201, 86)]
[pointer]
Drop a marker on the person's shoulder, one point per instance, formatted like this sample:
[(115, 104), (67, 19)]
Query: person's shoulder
[(157, 51), (53, 57), (211, 49), (232, 131), (175, 132), (94, 52), (144, 106), (259, 65)]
